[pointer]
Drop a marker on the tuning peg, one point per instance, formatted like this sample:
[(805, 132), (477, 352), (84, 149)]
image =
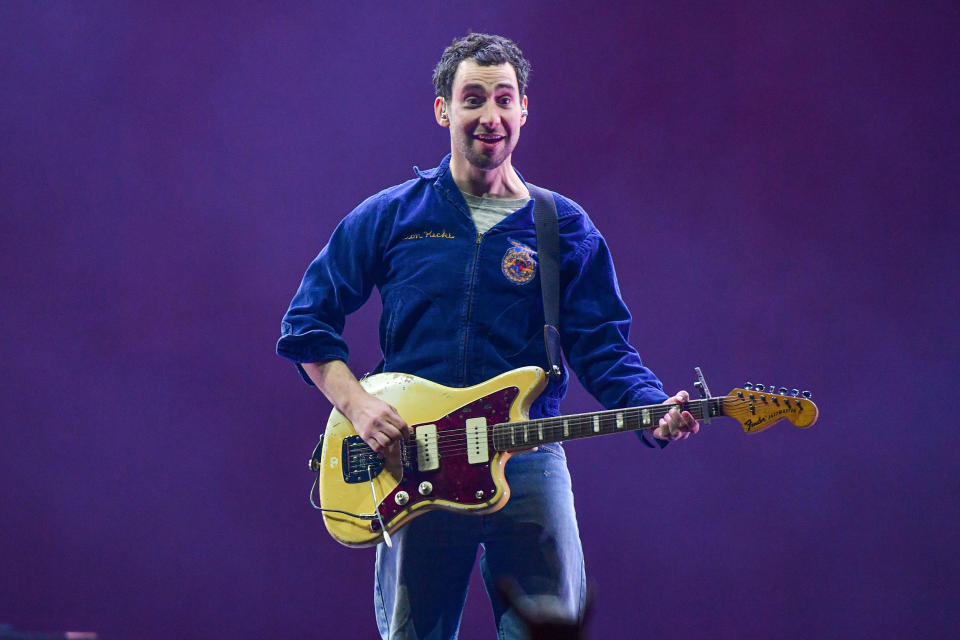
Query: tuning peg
[(760, 387), (783, 391), (748, 386), (794, 393), (807, 395)]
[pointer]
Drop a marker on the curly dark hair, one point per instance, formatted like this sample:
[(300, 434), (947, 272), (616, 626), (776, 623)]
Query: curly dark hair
[(487, 50)]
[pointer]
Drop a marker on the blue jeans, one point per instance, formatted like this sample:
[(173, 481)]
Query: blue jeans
[(421, 583)]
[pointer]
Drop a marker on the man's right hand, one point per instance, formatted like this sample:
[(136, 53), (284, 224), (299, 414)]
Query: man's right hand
[(374, 420)]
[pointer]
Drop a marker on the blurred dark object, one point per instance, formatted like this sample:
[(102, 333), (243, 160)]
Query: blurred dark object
[(7, 633), (543, 621)]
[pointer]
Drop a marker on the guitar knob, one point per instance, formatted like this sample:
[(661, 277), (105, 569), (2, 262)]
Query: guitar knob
[(794, 393), (401, 498), (807, 395), (760, 387), (425, 488), (748, 386), (783, 391)]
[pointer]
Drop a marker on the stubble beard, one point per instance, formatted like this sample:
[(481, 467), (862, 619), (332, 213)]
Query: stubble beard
[(480, 160)]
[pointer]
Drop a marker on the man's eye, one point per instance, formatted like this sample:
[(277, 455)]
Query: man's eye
[(506, 101), (472, 102)]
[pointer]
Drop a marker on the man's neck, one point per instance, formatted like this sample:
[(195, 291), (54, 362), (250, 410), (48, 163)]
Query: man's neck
[(501, 182)]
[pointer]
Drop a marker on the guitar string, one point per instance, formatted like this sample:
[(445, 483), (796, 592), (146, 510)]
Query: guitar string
[(460, 447), (454, 441), (576, 421), (456, 447)]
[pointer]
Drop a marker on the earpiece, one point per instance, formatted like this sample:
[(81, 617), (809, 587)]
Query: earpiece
[(523, 112), (443, 115)]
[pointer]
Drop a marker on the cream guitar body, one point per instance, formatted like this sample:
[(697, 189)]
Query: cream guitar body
[(455, 484)]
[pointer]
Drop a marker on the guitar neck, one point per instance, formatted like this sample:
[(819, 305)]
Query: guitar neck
[(510, 436)]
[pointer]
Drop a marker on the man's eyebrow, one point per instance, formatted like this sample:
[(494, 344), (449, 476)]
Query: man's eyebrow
[(476, 85)]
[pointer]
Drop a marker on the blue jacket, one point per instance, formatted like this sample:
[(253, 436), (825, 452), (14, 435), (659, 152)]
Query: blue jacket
[(458, 307)]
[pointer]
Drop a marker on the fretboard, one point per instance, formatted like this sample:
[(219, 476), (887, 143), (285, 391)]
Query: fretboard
[(508, 436)]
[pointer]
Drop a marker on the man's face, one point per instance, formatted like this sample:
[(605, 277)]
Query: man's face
[(484, 113)]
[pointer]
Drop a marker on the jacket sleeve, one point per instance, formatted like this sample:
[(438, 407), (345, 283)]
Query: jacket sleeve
[(337, 283), (596, 330)]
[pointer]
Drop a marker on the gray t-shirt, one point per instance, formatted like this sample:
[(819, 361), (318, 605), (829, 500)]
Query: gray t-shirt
[(487, 212)]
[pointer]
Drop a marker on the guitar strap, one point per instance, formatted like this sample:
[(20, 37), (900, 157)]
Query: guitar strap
[(548, 246)]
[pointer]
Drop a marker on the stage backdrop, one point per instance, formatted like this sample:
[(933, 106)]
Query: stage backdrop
[(778, 185)]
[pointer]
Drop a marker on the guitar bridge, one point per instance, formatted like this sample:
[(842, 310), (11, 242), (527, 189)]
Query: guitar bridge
[(357, 456)]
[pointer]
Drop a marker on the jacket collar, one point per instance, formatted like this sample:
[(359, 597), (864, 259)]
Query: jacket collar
[(442, 172), (443, 182)]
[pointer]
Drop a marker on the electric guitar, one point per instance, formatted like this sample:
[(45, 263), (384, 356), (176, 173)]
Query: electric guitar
[(463, 438)]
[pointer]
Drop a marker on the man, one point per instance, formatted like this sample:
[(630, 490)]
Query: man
[(453, 253)]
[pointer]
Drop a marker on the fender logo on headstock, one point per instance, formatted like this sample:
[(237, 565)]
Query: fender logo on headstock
[(754, 424), (757, 411)]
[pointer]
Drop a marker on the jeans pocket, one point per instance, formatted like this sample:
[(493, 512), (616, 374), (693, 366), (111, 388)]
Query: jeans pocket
[(554, 449)]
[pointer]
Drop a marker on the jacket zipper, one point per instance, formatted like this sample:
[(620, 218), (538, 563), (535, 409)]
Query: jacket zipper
[(466, 328)]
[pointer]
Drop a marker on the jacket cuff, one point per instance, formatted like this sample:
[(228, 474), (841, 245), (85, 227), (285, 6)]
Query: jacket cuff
[(294, 349)]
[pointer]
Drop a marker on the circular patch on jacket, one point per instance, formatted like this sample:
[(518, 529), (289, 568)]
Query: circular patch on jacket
[(519, 265)]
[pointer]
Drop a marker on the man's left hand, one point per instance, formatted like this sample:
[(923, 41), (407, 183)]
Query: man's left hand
[(677, 425)]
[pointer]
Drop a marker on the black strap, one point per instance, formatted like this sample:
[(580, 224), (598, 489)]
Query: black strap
[(548, 246)]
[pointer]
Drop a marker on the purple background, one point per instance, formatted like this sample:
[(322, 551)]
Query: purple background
[(778, 184)]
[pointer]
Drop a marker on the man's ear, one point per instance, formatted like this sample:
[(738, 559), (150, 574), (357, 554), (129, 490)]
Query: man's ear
[(523, 111), (440, 112)]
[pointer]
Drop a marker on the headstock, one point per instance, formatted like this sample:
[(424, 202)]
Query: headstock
[(756, 409)]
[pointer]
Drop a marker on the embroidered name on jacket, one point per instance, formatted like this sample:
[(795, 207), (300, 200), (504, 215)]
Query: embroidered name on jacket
[(430, 234), (519, 263)]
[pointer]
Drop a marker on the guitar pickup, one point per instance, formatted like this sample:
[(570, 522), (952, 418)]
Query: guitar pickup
[(477, 445), (428, 450)]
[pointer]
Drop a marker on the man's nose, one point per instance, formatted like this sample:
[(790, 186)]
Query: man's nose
[(490, 116)]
